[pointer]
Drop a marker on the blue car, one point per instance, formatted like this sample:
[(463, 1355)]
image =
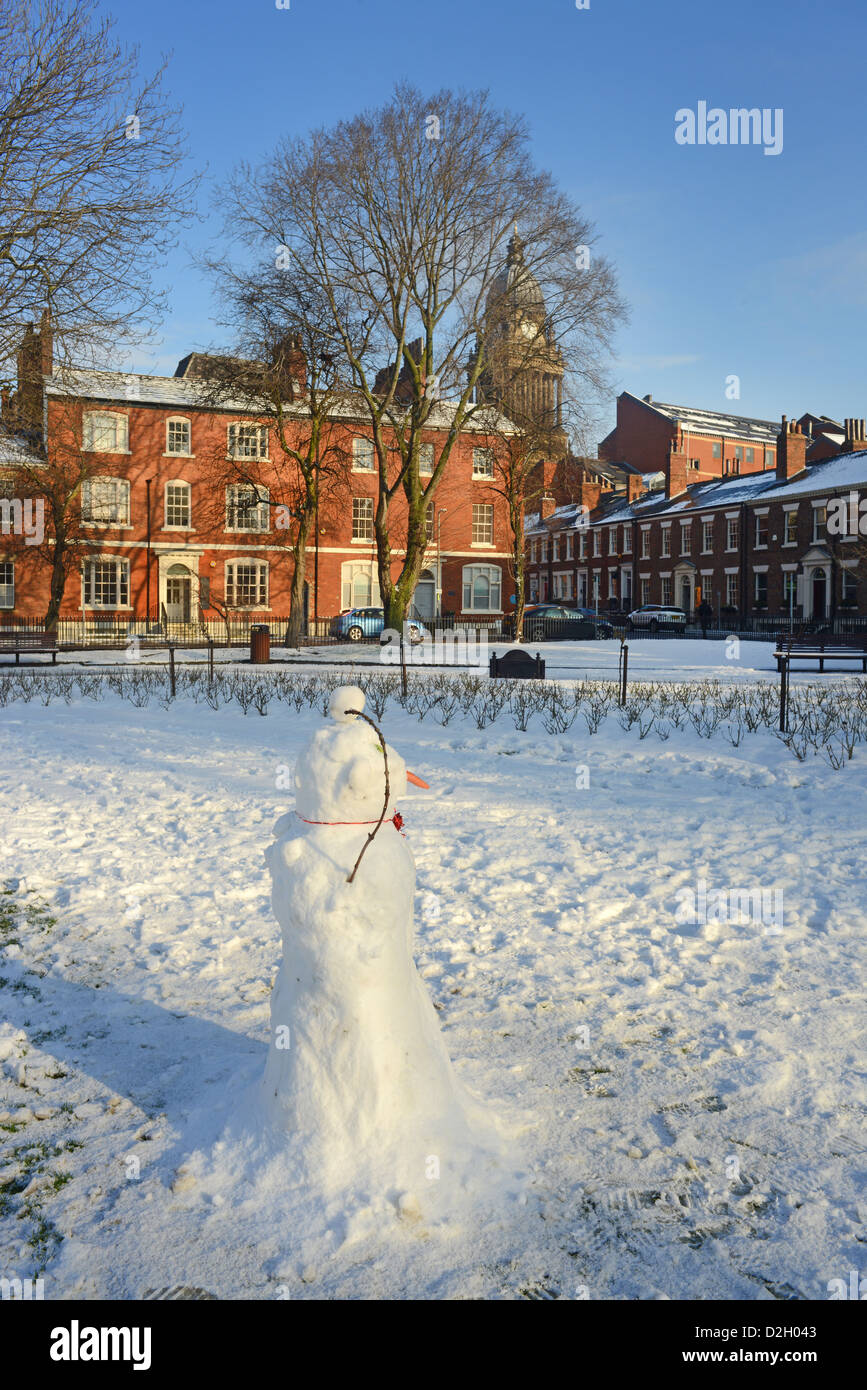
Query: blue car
[(359, 623)]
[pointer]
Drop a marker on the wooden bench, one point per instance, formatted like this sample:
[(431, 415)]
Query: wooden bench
[(19, 642), (824, 649)]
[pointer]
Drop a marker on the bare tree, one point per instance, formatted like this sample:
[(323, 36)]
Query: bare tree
[(399, 220), (284, 369), (91, 184)]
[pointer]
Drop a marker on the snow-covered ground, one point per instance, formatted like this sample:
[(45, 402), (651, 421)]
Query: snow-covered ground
[(686, 1094)]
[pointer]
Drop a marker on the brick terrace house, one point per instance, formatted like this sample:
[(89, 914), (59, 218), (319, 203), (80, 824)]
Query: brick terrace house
[(157, 533), (754, 545), (714, 443)]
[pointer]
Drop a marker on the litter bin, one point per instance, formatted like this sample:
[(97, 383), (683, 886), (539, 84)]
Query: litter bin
[(260, 645)]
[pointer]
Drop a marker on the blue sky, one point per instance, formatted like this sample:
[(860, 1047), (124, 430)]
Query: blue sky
[(733, 261)]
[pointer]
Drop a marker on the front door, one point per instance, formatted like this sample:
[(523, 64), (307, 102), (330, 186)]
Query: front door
[(686, 596), (819, 586), (179, 593), (424, 598)]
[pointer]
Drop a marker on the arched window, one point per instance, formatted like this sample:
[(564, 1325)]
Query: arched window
[(178, 436), (482, 588)]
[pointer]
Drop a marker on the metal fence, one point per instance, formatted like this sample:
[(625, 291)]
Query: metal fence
[(78, 633)]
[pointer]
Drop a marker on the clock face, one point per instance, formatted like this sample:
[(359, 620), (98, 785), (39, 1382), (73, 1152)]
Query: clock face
[(528, 328)]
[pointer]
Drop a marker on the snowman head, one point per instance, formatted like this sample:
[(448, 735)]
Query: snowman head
[(340, 775)]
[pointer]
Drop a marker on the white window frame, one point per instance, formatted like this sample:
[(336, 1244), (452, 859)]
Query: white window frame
[(121, 581), (121, 504), (791, 511), (247, 441), (707, 527), (612, 540), (7, 586), (258, 513), (350, 571), (468, 583), (645, 543), (426, 460), (90, 440), (762, 517), (179, 453), (175, 525), (732, 524), (686, 538), (665, 540), (361, 516), (483, 462), (363, 455), (231, 583)]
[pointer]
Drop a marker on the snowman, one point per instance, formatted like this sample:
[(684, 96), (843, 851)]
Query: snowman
[(358, 1079)]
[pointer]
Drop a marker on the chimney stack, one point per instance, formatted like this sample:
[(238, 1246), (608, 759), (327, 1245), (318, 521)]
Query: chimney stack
[(547, 504), (676, 467), (791, 450), (856, 439)]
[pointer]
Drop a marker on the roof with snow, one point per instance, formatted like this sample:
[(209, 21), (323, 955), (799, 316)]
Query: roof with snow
[(696, 421), (191, 392), (18, 450), (842, 473)]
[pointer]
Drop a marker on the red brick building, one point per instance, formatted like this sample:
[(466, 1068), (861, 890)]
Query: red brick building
[(714, 443), (157, 534), (755, 547)]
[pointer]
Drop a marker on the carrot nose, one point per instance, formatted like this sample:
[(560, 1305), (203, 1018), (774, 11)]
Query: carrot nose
[(416, 781)]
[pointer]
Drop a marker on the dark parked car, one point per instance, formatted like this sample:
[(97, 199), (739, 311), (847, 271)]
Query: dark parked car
[(545, 622)]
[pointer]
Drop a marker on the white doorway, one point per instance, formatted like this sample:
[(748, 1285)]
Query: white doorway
[(425, 597), (179, 594)]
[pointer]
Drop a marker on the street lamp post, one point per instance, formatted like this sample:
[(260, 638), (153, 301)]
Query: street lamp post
[(148, 482)]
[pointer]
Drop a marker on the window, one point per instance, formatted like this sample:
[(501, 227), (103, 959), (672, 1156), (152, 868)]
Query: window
[(706, 537), (644, 591), (645, 542), (105, 501), (751, 455), (666, 540), (761, 590), (178, 508), (106, 583), (555, 545), (790, 588), (568, 538), (761, 532), (246, 507), (791, 527), (582, 546), (7, 584), (849, 591), (106, 433), (247, 584), (359, 585), (543, 551), (483, 463), (820, 515), (562, 586), (686, 538), (717, 450), (733, 534), (178, 436), (739, 456), (426, 459), (769, 458), (666, 591), (627, 540), (533, 552), (595, 588), (247, 441), (612, 540), (597, 543), (362, 518), (429, 521), (482, 589), (731, 591)]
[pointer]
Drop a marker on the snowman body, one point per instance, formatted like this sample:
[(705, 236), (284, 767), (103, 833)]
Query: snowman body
[(358, 1074)]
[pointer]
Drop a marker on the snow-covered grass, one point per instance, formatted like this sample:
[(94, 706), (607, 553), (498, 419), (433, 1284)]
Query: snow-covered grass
[(685, 1080)]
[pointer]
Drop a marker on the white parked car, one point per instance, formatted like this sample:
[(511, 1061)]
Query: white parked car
[(657, 615)]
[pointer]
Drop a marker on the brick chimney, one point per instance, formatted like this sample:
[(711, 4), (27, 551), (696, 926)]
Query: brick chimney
[(547, 503), (856, 438), (35, 361), (791, 450), (676, 467), (634, 487)]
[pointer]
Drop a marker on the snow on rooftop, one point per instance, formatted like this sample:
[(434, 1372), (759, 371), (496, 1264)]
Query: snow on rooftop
[(697, 421)]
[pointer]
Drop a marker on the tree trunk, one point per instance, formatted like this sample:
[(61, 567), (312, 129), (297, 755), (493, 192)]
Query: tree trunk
[(299, 552), (56, 586)]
